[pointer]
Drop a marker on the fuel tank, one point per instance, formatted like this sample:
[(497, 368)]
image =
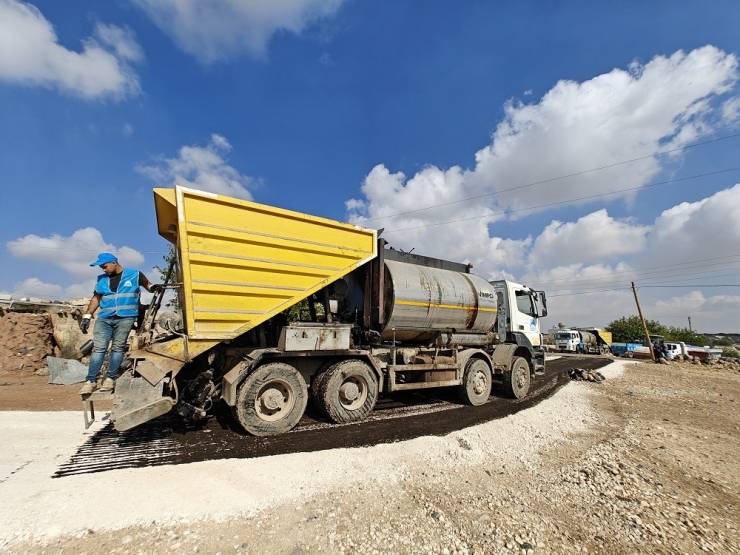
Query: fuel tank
[(421, 301), (588, 338)]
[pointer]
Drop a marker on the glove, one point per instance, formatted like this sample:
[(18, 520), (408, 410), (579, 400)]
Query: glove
[(156, 288), (85, 323)]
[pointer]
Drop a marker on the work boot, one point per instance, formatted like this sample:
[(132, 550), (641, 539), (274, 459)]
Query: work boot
[(108, 385), (88, 388)]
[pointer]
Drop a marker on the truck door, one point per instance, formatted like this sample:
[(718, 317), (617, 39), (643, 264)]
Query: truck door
[(525, 318)]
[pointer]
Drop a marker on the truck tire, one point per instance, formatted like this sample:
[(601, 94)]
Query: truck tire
[(271, 400), (314, 395), (516, 381), (476, 383), (346, 391)]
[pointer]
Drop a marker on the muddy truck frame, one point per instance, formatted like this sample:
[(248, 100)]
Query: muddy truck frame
[(278, 308)]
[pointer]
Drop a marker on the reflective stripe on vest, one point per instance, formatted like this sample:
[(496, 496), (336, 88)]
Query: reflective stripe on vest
[(125, 301)]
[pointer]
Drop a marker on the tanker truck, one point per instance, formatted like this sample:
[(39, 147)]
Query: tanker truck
[(279, 309), (583, 340)]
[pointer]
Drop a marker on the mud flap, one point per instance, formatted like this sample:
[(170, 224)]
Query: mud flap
[(136, 401)]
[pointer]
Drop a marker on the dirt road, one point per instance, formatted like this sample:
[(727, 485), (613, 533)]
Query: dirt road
[(643, 462)]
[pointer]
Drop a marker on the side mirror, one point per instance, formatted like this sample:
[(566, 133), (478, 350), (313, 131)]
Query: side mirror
[(542, 305)]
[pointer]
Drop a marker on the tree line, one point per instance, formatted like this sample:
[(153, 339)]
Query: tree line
[(629, 329)]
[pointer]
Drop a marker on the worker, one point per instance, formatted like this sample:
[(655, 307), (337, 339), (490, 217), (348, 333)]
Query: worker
[(117, 295), (659, 351)]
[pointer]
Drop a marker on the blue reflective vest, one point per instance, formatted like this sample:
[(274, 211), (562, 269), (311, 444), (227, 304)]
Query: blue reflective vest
[(125, 301)]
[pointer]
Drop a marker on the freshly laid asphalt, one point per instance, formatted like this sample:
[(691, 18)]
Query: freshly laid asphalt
[(398, 417)]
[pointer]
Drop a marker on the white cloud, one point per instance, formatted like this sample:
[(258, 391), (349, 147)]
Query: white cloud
[(212, 31), (703, 229), (594, 237), (731, 110), (31, 55), (74, 253), (391, 194), (202, 168), (34, 287), (688, 243), (693, 301), (708, 314), (618, 116)]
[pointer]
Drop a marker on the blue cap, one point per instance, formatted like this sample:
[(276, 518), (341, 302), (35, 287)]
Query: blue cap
[(104, 258)]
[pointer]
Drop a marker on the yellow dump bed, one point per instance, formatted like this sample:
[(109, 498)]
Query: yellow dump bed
[(242, 262), (606, 336)]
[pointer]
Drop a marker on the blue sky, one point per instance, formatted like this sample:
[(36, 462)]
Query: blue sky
[(534, 136)]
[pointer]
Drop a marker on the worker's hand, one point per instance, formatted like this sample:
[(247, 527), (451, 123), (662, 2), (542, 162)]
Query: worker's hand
[(156, 288), (85, 323)]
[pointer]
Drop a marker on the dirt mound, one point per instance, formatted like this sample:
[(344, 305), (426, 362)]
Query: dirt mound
[(25, 341)]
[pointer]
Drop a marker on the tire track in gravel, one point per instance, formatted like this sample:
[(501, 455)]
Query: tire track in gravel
[(399, 417)]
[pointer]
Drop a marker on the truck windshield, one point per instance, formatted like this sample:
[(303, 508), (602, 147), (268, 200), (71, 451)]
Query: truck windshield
[(562, 336)]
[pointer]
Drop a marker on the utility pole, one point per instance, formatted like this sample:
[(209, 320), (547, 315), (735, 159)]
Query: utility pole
[(690, 325), (644, 325)]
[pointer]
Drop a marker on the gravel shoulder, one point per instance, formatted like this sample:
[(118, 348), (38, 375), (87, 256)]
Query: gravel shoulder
[(645, 461)]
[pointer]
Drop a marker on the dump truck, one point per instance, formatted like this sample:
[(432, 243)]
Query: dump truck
[(583, 340), (279, 308)]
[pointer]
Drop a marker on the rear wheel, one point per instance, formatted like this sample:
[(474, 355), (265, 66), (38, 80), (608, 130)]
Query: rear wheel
[(516, 382), (346, 391), (476, 384), (271, 400)]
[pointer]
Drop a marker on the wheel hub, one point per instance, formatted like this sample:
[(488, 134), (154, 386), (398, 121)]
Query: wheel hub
[(521, 378), (479, 383), (349, 391), (272, 399)]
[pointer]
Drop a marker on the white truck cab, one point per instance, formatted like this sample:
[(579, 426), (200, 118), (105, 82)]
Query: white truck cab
[(568, 341)]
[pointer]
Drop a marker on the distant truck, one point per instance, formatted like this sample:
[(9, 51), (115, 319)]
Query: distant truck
[(636, 348), (626, 349), (279, 308), (675, 348), (583, 340)]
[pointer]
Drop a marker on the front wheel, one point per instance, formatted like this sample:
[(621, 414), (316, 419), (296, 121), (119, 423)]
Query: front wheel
[(516, 382), (271, 400), (476, 384)]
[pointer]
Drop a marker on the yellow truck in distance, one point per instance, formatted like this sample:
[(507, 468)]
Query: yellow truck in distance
[(584, 340), (372, 320)]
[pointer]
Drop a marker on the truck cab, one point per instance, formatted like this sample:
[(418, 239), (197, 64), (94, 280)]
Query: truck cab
[(519, 309), (568, 341)]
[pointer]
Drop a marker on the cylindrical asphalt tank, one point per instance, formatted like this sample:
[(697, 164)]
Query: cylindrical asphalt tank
[(421, 301), (588, 338)]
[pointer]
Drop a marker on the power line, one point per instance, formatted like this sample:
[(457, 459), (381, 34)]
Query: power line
[(563, 201), (693, 285), (612, 281), (648, 270), (549, 296), (607, 286), (550, 180), (592, 291)]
